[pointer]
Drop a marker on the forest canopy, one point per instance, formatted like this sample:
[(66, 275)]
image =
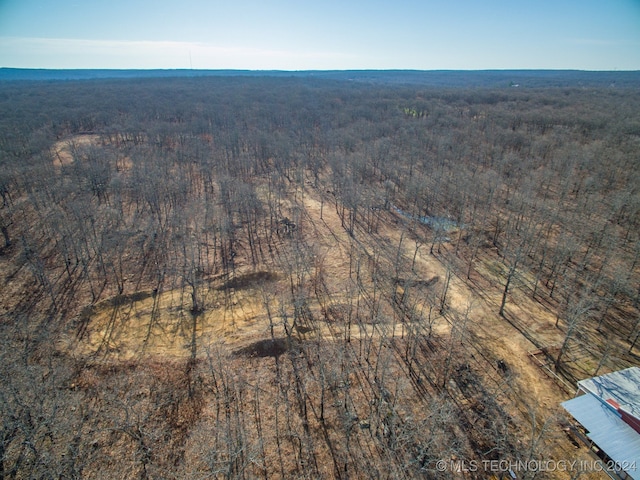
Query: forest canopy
[(289, 276)]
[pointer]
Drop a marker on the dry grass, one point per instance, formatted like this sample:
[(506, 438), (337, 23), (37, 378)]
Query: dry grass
[(62, 150), (244, 316)]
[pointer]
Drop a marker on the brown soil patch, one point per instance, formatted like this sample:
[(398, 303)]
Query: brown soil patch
[(61, 150)]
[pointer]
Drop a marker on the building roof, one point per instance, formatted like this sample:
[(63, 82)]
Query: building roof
[(607, 430), (620, 389)]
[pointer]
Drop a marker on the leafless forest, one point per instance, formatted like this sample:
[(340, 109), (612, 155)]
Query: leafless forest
[(308, 278)]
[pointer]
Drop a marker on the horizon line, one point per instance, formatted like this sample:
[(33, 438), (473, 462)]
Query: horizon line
[(185, 69)]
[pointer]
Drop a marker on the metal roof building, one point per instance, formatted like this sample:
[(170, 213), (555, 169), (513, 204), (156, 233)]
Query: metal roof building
[(608, 408)]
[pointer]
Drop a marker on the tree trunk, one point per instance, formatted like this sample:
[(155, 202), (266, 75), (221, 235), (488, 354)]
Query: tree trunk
[(5, 234), (512, 271)]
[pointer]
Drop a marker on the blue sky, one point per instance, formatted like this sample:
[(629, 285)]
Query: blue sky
[(323, 34)]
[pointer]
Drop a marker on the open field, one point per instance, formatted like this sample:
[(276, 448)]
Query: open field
[(249, 281)]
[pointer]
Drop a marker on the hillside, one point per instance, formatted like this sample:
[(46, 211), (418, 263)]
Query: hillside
[(423, 78)]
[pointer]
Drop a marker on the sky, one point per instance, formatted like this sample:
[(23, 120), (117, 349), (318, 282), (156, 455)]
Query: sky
[(321, 34)]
